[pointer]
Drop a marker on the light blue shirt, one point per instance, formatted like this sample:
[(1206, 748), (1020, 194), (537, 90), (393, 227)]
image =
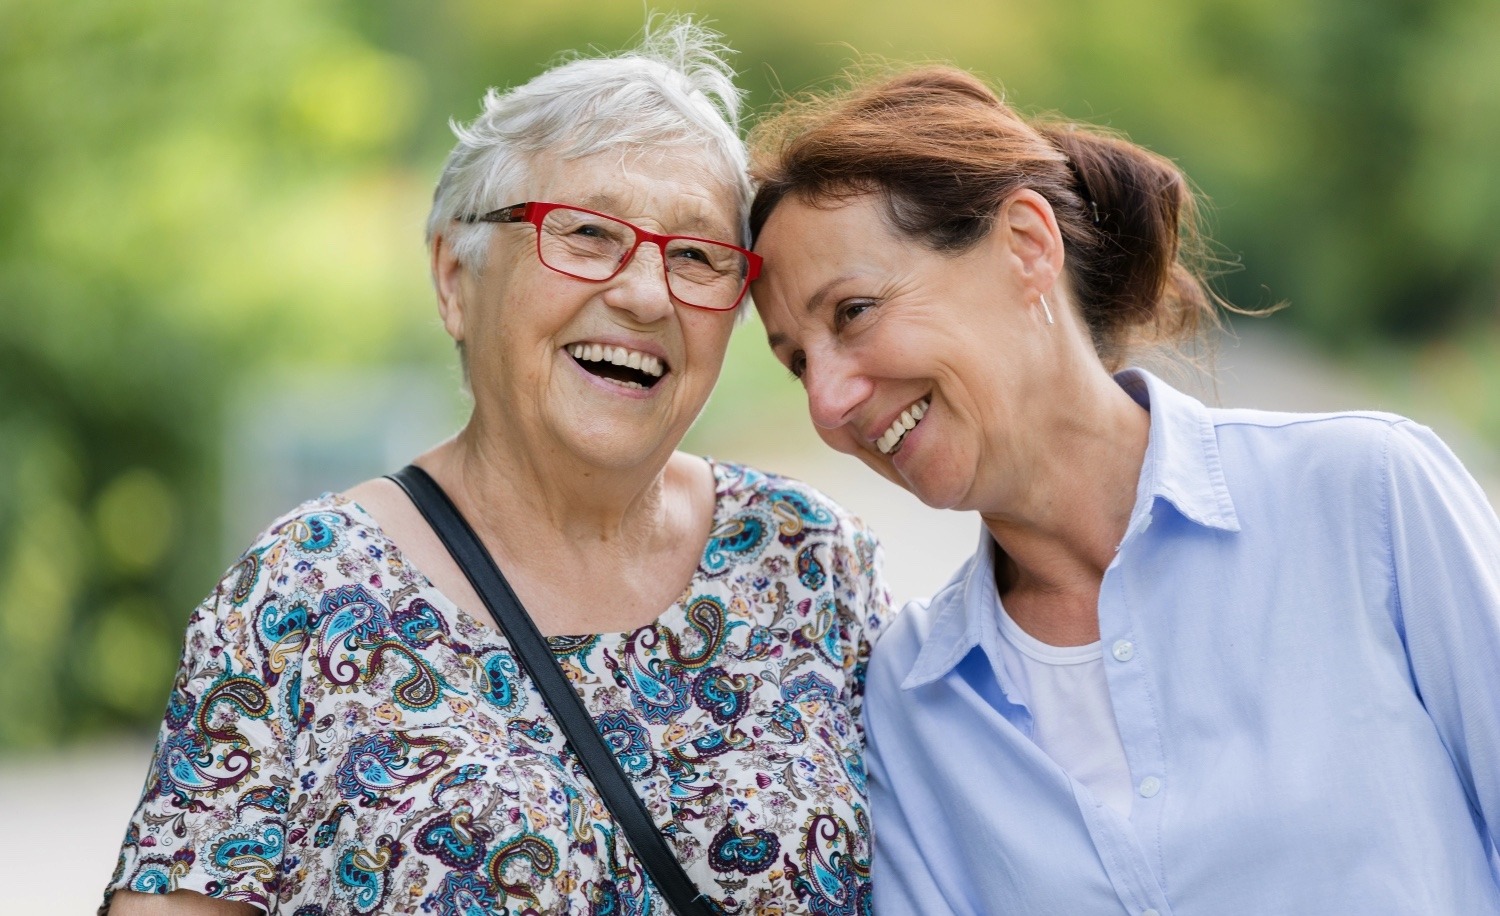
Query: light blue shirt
[(1301, 634)]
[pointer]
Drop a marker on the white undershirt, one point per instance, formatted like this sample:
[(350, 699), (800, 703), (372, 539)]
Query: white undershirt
[(1073, 720)]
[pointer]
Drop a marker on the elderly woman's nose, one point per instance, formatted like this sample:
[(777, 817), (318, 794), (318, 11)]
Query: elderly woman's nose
[(641, 287), (833, 391)]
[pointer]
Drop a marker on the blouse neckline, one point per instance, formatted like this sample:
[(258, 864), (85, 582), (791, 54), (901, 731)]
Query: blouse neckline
[(721, 474)]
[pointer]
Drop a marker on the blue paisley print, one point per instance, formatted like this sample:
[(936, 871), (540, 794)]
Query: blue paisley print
[(341, 739)]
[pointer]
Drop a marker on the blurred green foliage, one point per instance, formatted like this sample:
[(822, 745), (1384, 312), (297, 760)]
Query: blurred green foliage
[(194, 196)]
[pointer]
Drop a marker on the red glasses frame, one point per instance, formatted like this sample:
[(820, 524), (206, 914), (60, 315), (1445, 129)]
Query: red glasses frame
[(534, 211)]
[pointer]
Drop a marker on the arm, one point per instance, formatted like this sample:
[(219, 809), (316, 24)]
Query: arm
[(1445, 550), (212, 816), (177, 903)]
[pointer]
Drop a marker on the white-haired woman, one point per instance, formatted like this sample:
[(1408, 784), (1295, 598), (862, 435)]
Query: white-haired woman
[(347, 732)]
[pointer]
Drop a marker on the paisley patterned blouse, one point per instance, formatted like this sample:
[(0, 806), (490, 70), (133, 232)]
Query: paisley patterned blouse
[(341, 739)]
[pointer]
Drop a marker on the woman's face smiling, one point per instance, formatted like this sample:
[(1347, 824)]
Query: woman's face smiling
[(540, 344), (923, 365)]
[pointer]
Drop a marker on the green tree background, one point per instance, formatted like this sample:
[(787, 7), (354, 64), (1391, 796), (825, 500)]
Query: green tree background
[(195, 197)]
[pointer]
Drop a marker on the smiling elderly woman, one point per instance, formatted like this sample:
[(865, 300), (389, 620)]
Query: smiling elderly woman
[(349, 734)]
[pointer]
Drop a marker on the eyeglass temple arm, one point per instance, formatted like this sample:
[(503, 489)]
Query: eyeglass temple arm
[(515, 213)]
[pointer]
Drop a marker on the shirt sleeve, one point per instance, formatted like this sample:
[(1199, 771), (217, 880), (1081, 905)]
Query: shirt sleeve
[(212, 815), (901, 880), (1445, 546)]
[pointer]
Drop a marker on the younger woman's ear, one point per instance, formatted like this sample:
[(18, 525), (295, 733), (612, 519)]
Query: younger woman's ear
[(448, 280), (1027, 228)]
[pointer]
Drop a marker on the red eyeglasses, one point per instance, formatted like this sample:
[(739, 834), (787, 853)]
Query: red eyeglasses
[(588, 245)]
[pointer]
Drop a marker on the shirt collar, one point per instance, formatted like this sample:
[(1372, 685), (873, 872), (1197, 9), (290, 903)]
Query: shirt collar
[(965, 614), (1182, 463), (1182, 466)]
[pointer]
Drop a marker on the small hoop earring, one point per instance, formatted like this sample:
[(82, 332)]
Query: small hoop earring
[(1046, 311)]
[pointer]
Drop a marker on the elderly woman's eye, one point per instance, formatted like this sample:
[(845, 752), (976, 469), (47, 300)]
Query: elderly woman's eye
[(796, 365), (691, 254), (592, 239), (706, 259), (590, 230)]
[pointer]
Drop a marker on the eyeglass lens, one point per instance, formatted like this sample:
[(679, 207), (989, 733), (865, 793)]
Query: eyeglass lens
[(592, 247)]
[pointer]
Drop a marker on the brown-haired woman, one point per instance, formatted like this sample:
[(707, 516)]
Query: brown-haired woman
[(1203, 661)]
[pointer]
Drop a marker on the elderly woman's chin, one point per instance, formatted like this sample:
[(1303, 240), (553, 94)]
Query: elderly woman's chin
[(621, 436), (575, 404), (564, 410)]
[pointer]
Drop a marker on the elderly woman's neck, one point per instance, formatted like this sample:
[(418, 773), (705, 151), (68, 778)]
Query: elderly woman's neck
[(580, 561), (554, 496)]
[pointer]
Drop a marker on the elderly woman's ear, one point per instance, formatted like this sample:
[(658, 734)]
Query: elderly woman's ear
[(1026, 232), (448, 276)]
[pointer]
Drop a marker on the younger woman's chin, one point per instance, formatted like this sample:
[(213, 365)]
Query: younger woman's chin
[(936, 487), (932, 493)]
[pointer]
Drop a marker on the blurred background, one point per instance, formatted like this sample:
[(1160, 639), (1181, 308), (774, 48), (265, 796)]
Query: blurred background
[(214, 300)]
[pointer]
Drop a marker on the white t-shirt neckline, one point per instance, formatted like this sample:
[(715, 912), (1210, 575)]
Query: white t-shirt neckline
[(1067, 692)]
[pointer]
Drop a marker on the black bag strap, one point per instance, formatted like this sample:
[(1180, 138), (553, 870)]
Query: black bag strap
[(563, 701)]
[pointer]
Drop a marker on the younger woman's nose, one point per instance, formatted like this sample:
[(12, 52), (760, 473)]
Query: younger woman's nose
[(834, 391)]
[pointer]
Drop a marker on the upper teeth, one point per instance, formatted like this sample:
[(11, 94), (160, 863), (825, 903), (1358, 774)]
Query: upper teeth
[(597, 353), (909, 417)]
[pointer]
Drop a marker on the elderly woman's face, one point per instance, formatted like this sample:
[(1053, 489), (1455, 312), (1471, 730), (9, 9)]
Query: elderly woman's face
[(542, 346), (913, 361)]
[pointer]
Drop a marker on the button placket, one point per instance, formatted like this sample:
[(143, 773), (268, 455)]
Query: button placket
[(1128, 675)]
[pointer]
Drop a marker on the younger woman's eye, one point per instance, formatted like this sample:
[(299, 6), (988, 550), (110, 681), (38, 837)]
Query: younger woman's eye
[(850, 309), (796, 365)]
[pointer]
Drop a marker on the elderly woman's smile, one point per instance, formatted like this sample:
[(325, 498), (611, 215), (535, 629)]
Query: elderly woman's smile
[(619, 364)]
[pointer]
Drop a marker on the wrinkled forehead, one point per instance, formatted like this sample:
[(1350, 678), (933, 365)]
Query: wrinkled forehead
[(672, 189)]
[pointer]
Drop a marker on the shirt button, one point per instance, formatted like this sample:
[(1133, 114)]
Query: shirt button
[(1149, 913), (1124, 650), (1149, 786)]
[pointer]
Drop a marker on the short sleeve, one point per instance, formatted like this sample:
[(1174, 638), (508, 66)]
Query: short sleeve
[(1445, 547), (212, 815), (864, 604)]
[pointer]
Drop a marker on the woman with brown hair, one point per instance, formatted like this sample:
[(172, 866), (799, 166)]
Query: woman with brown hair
[(1203, 661)]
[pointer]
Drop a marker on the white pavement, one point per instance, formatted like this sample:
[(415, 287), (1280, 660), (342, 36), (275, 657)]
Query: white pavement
[(62, 817), (64, 813)]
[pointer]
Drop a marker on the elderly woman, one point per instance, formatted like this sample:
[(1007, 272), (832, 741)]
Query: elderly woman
[(349, 734), (1203, 661)]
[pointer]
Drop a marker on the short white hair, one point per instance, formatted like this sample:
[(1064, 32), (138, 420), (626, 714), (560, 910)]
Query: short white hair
[(674, 89)]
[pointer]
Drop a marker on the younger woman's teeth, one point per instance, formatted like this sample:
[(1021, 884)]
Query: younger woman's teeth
[(903, 424), (601, 353)]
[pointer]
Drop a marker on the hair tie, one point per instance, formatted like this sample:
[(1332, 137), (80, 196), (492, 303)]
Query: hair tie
[(1083, 189)]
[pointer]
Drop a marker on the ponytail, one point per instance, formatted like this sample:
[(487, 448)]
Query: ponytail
[(1131, 250)]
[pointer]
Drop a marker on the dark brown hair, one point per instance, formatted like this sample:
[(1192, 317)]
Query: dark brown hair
[(944, 152)]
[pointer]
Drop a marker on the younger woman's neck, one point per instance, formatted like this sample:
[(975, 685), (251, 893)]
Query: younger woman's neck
[(1055, 548)]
